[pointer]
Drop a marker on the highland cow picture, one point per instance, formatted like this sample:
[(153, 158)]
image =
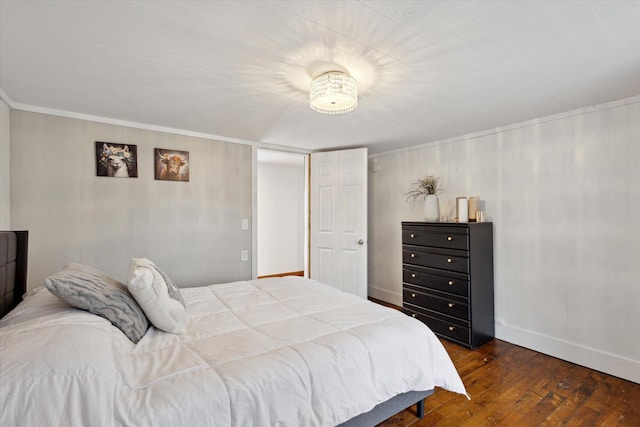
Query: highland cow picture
[(171, 165), (116, 160)]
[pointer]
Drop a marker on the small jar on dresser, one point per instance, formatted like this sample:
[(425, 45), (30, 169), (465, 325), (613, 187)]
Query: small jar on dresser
[(447, 279)]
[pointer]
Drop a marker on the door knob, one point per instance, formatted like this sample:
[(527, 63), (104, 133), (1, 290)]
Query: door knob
[(361, 242)]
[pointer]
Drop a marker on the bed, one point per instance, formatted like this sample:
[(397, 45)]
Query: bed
[(276, 351)]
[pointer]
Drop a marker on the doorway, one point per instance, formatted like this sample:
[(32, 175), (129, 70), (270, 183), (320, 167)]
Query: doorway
[(282, 213)]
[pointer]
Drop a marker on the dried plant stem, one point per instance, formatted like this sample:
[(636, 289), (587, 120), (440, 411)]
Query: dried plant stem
[(425, 186)]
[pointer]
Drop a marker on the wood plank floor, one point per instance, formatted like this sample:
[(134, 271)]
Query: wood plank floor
[(514, 386)]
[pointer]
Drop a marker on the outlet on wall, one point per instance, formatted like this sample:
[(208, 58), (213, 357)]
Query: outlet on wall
[(244, 255), (245, 224)]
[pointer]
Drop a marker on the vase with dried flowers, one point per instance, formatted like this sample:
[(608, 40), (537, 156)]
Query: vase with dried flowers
[(427, 187)]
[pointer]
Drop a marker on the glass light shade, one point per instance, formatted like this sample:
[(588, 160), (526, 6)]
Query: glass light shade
[(333, 93)]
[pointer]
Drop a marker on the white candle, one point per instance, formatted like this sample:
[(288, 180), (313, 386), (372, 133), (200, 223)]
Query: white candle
[(463, 209)]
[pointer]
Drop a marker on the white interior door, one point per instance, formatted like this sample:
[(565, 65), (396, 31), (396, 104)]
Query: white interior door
[(338, 238)]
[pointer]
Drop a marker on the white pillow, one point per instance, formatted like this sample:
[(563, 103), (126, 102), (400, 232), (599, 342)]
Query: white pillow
[(158, 296)]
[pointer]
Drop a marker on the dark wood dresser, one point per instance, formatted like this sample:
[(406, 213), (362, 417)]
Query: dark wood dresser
[(447, 279)]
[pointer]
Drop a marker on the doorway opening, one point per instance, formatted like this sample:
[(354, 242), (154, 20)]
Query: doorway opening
[(282, 213)]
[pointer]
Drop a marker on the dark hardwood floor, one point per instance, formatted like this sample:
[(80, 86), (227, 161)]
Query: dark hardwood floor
[(513, 386)]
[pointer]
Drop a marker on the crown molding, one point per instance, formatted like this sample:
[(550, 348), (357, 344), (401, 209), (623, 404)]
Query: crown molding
[(119, 122), (537, 121), (4, 97)]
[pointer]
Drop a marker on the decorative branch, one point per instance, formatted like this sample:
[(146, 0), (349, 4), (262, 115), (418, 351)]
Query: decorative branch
[(424, 187)]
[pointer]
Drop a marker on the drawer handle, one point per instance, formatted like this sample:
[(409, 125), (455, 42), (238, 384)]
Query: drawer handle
[(451, 305), (451, 328), (413, 255), (449, 238), (413, 295), (413, 235), (413, 275), (449, 260), (450, 282)]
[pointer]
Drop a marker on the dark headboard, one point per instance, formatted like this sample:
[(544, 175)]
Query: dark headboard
[(13, 268)]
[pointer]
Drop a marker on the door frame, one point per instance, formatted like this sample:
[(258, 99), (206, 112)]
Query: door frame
[(255, 207), (307, 209)]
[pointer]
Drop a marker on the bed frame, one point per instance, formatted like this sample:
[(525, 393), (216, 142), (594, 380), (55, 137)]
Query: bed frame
[(389, 408), (13, 268), (13, 285)]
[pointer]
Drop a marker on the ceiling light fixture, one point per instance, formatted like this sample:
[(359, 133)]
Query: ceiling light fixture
[(333, 92)]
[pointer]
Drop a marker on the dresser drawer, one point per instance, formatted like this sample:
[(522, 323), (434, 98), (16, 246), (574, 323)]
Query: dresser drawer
[(440, 237), (448, 328), (449, 305), (443, 259), (447, 281)]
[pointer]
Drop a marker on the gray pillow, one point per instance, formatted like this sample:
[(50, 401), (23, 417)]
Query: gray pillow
[(173, 290), (90, 289)]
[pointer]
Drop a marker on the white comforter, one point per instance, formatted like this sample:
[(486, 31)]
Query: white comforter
[(285, 352)]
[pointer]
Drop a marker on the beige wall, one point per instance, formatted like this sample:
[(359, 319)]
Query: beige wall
[(5, 166), (563, 193), (192, 230)]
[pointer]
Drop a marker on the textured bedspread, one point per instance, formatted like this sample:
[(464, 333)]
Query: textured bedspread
[(283, 351)]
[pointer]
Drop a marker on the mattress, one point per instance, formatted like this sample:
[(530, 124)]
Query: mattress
[(279, 351)]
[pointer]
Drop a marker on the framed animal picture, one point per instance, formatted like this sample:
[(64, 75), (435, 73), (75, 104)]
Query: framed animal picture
[(116, 160), (171, 165)]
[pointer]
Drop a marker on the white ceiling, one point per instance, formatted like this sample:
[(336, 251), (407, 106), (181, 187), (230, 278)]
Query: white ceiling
[(427, 70)]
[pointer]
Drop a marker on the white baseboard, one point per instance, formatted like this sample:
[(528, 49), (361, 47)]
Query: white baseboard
[(385, 295), (592, 358), (599, 360)]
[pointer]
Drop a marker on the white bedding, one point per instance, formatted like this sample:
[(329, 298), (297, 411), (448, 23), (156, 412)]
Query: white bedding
[(283, 351)]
